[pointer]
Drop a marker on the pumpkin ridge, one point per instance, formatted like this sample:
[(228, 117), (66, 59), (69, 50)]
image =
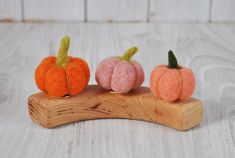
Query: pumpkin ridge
[(182, 82), (77, 78), (48, 78), (135, 75), (123, 84), (159, 81), (44, 65), (67, 80), (136, 72), (103, 73), (83, 71), (84, 65), (111, 76)]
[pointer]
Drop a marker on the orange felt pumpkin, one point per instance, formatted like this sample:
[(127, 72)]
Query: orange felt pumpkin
[(172, 82), (62, 75)]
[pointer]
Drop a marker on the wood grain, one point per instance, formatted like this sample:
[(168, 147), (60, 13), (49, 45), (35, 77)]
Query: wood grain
[(96, 103), (223, 11), (209, 49), (180, 10), (54, 10), (10, 10), (117, 10)]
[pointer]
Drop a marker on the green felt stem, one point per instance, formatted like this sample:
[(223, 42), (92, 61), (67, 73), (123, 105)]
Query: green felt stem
[(172, 61), (62, 58), (129, 54)]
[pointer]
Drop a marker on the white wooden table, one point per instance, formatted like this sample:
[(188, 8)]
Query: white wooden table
[(209, 49)]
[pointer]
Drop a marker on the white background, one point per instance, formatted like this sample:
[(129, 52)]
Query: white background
[(118, 10)]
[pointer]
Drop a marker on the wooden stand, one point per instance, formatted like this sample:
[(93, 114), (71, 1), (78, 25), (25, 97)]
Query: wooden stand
[(96, 103)]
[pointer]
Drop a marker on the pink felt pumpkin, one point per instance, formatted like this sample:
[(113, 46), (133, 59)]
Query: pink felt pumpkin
[(172, 82), (120, 74)]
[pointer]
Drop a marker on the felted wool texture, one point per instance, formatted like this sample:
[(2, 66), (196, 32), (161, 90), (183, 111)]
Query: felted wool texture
[(155, 77), (188, 83), (119, 74), (56, 81), (62, 75), (139, 74), (170, 85), (76, 78), (83, 64), (72, 83), (41, 70), (123, 77), (104, 72)]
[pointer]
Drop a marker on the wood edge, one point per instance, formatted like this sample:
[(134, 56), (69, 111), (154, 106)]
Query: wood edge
[(46, 122), (195, 119), (34, 112)]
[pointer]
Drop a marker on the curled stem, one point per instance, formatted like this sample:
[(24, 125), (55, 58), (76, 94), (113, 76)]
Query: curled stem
[(62, 58), (129, 53)]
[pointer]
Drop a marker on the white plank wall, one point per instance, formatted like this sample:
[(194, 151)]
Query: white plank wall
[(209, 49), (117, 10), (179, 10), (219, 13), (10, 10), (54, 10)]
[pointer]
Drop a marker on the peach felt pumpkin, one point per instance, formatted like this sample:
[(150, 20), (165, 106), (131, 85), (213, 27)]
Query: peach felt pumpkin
[(62, 75), (172, 82), (120, 74)]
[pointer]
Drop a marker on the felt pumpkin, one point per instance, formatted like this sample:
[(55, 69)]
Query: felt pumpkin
[(172, 82), (62, 75), (120, 73)]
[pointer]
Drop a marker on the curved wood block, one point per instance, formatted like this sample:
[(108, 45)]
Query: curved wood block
[(96, 103)]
